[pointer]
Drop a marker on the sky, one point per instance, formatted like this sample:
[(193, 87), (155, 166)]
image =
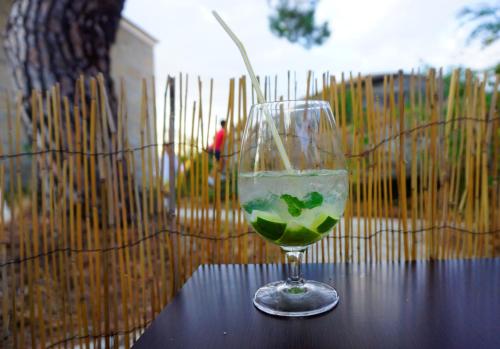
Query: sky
[(367, 37)]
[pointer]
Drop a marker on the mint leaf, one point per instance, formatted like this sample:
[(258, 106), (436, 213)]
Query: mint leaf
[(257, 204), (313, 199), (295, 205), (292, 200)]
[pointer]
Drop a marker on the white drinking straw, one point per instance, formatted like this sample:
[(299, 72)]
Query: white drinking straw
[(260, 96)]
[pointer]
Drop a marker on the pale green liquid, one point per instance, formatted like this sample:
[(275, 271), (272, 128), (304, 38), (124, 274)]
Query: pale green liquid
[(261, 197)]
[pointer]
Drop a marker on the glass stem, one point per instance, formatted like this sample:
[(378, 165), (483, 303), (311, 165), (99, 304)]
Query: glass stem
[(294, 260)]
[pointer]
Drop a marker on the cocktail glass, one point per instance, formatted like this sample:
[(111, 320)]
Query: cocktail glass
[(293, 205)]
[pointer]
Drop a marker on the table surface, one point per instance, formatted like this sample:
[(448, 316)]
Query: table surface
[(447, 304)]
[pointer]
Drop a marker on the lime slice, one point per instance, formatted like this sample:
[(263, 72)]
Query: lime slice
[(298, 235), (268, 224), (323, 223)]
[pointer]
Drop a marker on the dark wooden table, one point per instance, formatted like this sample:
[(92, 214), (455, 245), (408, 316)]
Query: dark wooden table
[(452, 304)]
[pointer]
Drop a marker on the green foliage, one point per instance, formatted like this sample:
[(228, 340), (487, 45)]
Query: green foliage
[(497, 69), (295, 21), (486, 19)]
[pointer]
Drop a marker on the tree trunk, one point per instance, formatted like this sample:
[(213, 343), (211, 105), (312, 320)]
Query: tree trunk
[(56, 41), (52, 42)]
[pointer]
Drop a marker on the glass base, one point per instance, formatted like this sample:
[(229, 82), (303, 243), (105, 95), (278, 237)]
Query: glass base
[(305, 298)]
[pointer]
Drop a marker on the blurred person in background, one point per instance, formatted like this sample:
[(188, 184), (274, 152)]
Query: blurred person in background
[(216, 147)]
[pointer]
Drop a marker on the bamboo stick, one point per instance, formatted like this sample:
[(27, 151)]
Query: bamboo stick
[(468, 197), (371, 190), (378, 131), (480, 111), (322, 127), (363, 178), (391, 122), (402, 165), (230, 198), (32, 244), (227, 176), (52, 223), (413, 176), (193, 255), (334, 100), (179, 184), (181, 248), (460, 174), (192, 207), (348, 211), (241, 241), (244, 227), (158, 193), (21, 231), (357, 173), (144, 195), (3, 251), (386, 164), (495, 145), (433, 167), (129, 258)]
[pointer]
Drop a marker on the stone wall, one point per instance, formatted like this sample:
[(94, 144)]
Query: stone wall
[(132, 60)]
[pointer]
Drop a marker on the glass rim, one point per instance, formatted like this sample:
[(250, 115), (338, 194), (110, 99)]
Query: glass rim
[(308, 102)]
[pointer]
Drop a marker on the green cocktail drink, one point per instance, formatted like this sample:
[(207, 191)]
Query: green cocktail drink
[(292, 197), (293, 209), (299, 205)]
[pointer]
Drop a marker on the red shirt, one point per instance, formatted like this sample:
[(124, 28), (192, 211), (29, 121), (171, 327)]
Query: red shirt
[(219, 139)]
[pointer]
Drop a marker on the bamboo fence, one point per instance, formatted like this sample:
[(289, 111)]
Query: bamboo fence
[(93, 252)]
